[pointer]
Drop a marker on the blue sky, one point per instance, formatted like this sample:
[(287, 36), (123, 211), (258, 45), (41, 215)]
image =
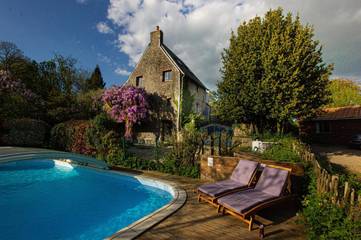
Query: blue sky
[(43, 27), (114, 33)]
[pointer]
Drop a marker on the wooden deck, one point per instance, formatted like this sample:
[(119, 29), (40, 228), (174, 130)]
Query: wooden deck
[(201, 221)]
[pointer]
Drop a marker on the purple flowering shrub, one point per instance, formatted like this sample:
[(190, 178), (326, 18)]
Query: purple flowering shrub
[(11, 85), (126, 104)]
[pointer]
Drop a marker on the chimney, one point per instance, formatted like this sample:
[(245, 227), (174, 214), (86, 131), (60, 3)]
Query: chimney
[(156, 37)]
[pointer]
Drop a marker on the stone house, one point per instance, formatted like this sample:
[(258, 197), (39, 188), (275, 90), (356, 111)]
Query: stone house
[(334, 126), (161, 73)]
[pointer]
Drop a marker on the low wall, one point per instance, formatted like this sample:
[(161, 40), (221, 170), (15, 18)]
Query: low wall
[(223, 167)]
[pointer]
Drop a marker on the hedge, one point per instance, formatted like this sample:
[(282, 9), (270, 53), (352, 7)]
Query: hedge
[(24, 132), (71, 136)]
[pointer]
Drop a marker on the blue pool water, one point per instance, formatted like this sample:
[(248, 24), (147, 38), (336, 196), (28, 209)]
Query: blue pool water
[(43, 200)]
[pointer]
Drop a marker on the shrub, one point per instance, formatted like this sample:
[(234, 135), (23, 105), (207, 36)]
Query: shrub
[(325, 220), (25, 132), (89, 104), (79, 142), (282, 149), (110, 149), (71, 136)]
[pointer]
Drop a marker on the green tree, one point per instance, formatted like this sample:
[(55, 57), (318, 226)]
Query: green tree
[(96, 80), (344, 92), (9, 54), (272, 72)]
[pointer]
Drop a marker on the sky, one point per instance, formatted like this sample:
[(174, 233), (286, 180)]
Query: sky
[(114, 33)]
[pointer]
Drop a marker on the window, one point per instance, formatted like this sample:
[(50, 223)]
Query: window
[(197, 108), (197, 88), (169, 103), (323, 127), (167, 76), (139, 81)]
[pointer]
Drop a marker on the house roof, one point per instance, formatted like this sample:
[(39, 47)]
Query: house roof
[(183, 67), (339, 113)]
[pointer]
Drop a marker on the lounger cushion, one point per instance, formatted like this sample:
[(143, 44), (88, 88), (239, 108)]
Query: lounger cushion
[(272, 181), (240, 178), (244, 171), (218, 188), (243, 201)]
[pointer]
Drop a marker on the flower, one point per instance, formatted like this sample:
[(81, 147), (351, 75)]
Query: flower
[(126, 104)]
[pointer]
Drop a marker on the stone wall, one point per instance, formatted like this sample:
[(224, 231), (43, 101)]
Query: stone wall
[(151, 67), (200, 97)]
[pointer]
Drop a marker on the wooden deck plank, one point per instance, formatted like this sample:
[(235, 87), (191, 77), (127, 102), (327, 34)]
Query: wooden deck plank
[(201, 221)]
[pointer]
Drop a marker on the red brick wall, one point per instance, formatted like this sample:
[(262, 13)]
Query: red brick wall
[(340, 133)]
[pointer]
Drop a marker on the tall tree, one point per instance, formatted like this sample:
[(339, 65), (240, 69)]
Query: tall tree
[(272, 72), (344, 92), (96, 80), (9, 53)]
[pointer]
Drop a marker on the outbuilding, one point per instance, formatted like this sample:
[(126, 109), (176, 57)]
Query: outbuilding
[(333, 126)]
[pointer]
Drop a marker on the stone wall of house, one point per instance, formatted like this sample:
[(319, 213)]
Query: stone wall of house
[(151, 67), (340, 131), (200, 97)]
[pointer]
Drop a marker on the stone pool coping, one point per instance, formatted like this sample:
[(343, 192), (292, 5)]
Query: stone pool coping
[(136, 228)]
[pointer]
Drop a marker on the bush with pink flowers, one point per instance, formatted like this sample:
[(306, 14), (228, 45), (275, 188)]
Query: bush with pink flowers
[(126, 104)]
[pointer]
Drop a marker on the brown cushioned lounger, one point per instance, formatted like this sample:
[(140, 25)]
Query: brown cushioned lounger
[(269, 190), (241, 178)]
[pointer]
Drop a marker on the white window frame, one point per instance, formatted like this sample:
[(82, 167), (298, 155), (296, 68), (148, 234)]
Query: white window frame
[(139, 81), (167, 75)]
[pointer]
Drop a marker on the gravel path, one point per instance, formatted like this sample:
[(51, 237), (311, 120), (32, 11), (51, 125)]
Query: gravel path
[(346, 157)]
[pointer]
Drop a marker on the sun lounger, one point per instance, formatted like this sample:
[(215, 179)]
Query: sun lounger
[(269, 190), (241, 178)]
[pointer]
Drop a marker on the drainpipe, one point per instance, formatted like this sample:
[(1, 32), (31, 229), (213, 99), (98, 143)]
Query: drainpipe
[(179, 105)]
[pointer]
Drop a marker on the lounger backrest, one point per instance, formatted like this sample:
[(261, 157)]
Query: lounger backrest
[(244, 171), (272, 181)]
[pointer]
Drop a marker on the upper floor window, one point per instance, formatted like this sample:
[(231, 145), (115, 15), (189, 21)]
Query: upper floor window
[(167, 76), (197, 88), (139, 81)]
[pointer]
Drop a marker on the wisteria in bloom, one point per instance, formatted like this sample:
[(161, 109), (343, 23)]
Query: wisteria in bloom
[(126, 104), (11, 85)]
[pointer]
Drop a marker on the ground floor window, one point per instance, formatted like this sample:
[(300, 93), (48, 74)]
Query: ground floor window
[(323, 127)]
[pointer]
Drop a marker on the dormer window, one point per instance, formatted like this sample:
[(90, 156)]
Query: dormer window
[(167, 76), (139, 81)]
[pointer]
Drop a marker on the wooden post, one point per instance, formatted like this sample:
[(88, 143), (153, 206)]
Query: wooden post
[(346, 193), (352, 200), (335, 189)]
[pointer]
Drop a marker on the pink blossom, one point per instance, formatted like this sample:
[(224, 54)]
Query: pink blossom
[(126, 104)]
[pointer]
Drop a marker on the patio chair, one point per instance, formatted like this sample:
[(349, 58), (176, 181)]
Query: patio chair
[(271, 188), (241, 178)]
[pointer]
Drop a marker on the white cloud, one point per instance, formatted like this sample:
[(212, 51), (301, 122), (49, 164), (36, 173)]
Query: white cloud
[(198, 30), (104, 58), (104, 28), (121, 71)]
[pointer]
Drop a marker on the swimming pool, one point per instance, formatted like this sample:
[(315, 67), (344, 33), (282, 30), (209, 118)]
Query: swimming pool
[(48, 199)]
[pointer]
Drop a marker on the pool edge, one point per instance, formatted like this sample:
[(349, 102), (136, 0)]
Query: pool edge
[(142, 225)]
